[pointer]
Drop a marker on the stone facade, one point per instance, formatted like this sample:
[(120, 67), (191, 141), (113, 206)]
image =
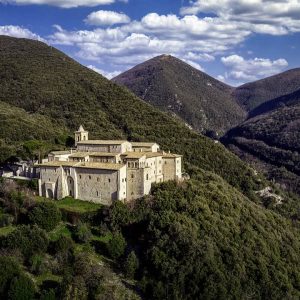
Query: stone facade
[(105, 171)]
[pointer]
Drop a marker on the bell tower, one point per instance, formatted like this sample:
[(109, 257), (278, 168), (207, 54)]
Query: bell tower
[(81, 135)]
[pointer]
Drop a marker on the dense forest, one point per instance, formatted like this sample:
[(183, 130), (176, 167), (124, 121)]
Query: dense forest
[(200, 239)]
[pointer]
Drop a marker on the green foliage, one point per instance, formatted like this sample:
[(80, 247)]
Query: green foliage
[(116, 245), (48, 295), (6, 219), (46, 215), (9, 268), (29, 240), (203, 240), (82, 233), (119, 215), (63, 244), (21, 288), (131, 265)]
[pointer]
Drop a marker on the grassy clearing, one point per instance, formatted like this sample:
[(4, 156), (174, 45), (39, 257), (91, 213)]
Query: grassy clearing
[(73, 205), (47, 276), (60, 230)]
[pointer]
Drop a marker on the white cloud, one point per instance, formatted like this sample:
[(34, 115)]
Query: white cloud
[(106, 17), (261, 16), (240, 69), (62, 3), (19, 32), (108, 75), (190, 38)]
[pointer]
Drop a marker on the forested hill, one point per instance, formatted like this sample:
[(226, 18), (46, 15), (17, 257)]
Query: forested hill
[(251, 95), (45, 83), (174, 86), (204, 238), (272, 139)]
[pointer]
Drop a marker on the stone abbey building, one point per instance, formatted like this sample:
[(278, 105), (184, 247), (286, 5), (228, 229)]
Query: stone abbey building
[(104, 171)]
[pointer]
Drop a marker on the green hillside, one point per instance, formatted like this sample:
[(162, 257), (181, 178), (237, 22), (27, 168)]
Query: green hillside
[(44, 81), (203, 240), (272, 136), (201, 101)]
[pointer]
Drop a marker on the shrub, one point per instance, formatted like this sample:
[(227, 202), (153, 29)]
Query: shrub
[(131, 265), (9, 268), (21, 288), (29, 240), (116, 246), (82, 233), (46, 215)]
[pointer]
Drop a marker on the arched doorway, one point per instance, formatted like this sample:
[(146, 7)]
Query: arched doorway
[(49, 194), (70, 182)]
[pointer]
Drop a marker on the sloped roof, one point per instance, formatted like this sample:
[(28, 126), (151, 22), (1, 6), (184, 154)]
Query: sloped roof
[(143, 144), (102, 142)]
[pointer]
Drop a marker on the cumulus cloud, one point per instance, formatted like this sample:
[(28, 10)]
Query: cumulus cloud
[(190, 38), (108, 75), (261, 16), (62, 3), (106, 17), (240, 69), (19, 32)]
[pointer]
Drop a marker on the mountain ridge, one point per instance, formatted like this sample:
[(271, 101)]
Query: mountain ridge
[(174, 86)]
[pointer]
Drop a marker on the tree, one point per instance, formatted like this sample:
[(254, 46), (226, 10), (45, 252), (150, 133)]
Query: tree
[(46, 215), (131, 265), (29, 240), (21, 288), (116, 246)]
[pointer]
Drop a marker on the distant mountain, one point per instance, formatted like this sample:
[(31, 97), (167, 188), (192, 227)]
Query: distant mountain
[(251, 95), (201, 101), (280, 102), (48, 95), (272, 137)]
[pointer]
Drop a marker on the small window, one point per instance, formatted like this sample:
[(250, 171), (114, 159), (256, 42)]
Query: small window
[(98, 179), (147, 177), (108, 179), (165, 162), (49, 179), (132, 176), (90, 177), (97, 194)]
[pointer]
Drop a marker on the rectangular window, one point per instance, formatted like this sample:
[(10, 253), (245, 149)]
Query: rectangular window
[(108, 179)]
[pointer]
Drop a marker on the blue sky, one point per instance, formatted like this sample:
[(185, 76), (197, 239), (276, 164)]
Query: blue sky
[(234, 40)]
